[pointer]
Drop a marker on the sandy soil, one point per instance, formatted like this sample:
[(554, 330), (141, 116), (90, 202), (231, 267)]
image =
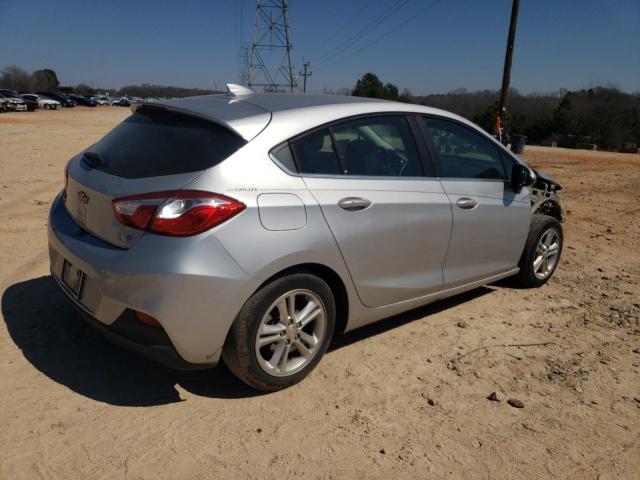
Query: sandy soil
[(74, 406)]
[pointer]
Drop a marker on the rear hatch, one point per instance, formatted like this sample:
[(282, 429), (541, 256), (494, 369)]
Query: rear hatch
[(154, 150)]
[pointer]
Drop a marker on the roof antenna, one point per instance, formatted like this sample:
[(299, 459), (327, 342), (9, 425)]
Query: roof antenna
[(238, 90)]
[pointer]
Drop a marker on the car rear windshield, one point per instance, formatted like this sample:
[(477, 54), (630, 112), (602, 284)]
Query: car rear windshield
[(153, 143)]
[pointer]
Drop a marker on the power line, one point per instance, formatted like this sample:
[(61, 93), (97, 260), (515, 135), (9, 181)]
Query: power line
[(363, 32), (397, 5), (384, 35), (342, 27)]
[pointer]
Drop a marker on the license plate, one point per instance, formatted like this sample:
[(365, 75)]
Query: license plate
[(73, 278)]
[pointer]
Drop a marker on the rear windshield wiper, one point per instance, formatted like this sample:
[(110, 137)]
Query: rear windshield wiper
[(92, 158)]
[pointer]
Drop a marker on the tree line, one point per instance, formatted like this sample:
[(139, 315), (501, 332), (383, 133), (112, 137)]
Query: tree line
[(46, 80), (604, 116)]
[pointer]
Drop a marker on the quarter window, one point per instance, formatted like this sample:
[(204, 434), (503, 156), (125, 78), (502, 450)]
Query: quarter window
[(462, 152), (282, 155)]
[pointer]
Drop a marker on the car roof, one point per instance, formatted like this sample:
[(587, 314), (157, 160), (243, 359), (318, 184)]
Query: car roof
[(290, 114)]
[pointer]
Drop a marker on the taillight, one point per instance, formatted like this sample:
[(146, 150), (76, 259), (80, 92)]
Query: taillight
[(148, 320), (180, 214)]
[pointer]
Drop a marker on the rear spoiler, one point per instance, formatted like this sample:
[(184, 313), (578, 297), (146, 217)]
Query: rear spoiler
[(244, 119)]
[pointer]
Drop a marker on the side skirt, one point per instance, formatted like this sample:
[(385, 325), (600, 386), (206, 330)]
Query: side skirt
[(370, 315)]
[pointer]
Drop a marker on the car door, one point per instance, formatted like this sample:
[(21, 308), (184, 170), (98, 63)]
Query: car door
[(390, 217), (490, 220)]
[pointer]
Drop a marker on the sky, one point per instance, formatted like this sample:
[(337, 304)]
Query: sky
[(425, 46)]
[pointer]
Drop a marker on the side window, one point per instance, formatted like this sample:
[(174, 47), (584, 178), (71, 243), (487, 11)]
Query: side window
[(508, 163), (377, 146), (464, 153), (314, 153)]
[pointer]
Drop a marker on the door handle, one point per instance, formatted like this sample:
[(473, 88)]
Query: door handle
[(466, 203), (353, 204)]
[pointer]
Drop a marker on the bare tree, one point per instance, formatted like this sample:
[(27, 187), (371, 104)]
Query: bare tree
[(14, 78)]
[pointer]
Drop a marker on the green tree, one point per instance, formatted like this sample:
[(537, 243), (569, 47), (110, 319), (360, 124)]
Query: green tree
[(45, 80), (562, 117), (370, 86), (487, 117)]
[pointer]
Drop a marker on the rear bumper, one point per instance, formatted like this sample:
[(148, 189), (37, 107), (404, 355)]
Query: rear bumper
[(127, 332), (190, 285)]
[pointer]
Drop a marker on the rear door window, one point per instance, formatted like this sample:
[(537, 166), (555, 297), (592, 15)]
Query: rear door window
[(376, 146), (379, 146), (462, 152), (156, 143)]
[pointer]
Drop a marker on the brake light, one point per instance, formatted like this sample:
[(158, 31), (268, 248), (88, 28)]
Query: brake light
[(148, 320), (179, 214)]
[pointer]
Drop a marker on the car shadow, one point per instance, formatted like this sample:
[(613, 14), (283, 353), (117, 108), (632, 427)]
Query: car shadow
[(56, 341)]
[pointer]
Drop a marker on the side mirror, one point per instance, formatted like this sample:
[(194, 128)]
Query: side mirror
[(520, 177)]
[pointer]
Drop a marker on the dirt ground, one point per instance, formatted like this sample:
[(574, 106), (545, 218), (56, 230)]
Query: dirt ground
[(386, 402)]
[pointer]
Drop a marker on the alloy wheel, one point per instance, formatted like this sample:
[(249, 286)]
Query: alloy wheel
[(290, 333), (546, 255)]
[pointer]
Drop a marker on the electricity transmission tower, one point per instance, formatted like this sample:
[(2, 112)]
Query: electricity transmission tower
[(270, 64), (244, 64)]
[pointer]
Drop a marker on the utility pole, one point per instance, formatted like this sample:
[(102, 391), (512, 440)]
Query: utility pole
[(506, 74), (270, 65), (304, 75)]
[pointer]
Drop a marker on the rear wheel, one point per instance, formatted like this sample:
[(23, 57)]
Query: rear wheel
[(541, 252), (47, 106), (281, 333)]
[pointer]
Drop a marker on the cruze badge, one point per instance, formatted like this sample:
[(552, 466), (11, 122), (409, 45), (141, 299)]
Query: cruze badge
[(83, 198)]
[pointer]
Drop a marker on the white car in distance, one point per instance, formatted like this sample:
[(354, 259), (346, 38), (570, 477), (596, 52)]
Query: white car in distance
[(43, 102)]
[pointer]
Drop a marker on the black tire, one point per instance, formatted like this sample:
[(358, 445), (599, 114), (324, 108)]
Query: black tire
[(239, 351), (540, 224)]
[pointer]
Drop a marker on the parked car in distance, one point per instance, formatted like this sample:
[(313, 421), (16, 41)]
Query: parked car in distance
[(15, 101), (124, 102), (43, 102), (4, 104), (84, 101), (31, 104), (64, 100), (249, 228)]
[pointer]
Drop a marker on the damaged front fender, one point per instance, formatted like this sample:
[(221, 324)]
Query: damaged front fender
[(544, 196)]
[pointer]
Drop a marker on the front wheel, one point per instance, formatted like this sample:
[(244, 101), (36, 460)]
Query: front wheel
[(282, 332), (541, 252)]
